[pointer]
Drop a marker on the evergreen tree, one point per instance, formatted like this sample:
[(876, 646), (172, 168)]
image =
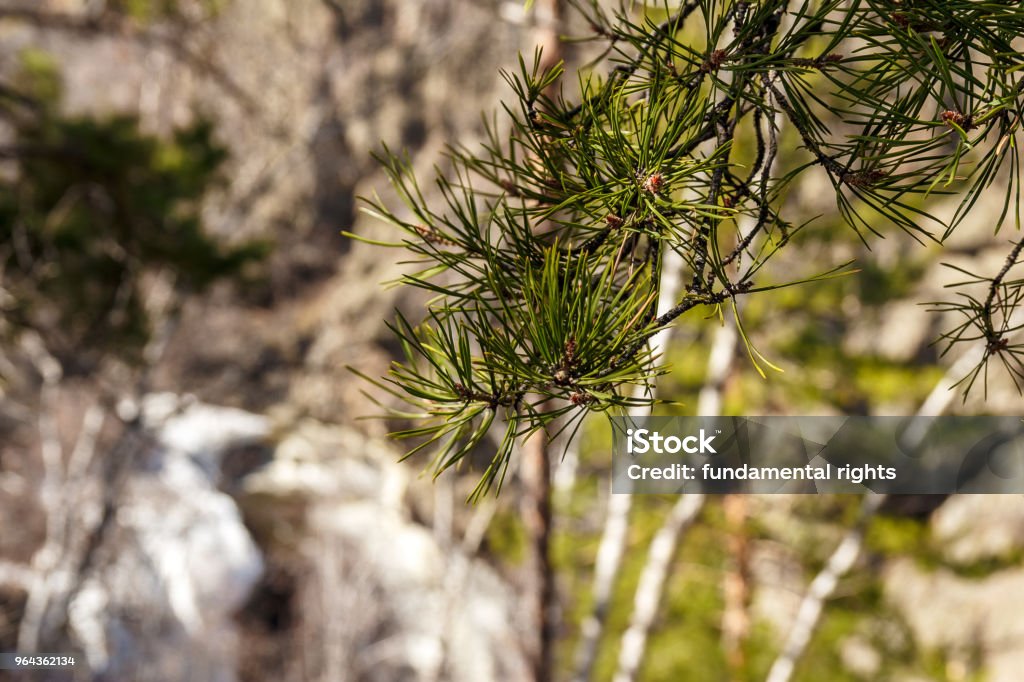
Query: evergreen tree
[(544, 259)]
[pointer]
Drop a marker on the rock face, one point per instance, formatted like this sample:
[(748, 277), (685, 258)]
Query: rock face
[(391, 599), (379, 595), (976, 623), (178, 560)]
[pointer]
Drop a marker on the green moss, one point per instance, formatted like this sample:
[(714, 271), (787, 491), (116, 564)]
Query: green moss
[(97, 206), (39, 77), (506, 538), (898, 536), (145, 11), (890, 535), (980, 569)]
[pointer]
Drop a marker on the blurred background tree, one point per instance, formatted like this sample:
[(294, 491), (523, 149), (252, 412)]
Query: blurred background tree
[(89, 210)]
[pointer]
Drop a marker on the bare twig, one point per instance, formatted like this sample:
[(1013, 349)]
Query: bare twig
[(844, 556), (652, 583), (1012, 259)]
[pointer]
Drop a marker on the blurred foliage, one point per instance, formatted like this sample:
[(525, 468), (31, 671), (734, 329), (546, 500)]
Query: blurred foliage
[(90, 206), (908, 537), (506, 538), (685, 643), (153, 10)]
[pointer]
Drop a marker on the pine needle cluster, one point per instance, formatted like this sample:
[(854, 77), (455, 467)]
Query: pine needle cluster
[(544, 258)]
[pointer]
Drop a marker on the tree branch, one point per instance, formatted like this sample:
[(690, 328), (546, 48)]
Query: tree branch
[(822, 587), (652, 583)]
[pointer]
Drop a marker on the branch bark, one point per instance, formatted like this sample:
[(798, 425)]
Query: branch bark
[(535, 472), (652, 583), (535, 475)]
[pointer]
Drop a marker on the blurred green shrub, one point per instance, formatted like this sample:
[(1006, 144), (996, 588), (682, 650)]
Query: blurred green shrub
[(89, 206)]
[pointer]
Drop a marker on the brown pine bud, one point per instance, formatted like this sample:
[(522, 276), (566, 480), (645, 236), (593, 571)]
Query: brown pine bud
[(714, 61), (654, 184), (430, 234), (581, 398), (952, 118)]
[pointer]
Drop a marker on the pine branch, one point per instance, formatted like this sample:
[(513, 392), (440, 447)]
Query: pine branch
[(552, 234)]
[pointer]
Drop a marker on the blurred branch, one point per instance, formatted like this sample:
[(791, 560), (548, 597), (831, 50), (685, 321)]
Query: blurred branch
[(652, 583), (111, 23), (723, 351), (736, 585), (735, 621), (568, 465), (651, 587), (616, 526), (13, 574), (606, 569), (844, 556), (46, 578), (821, 588), (460, 561), (535, 474)]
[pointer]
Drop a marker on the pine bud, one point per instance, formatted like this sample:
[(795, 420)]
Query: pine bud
[(654, 184)]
